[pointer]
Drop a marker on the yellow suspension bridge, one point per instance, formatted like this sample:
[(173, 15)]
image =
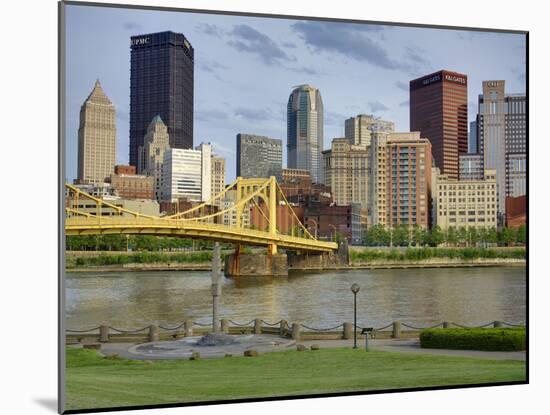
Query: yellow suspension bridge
[(108, 218)]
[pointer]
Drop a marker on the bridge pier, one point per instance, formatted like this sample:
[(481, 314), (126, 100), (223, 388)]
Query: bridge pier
[(257, 265)]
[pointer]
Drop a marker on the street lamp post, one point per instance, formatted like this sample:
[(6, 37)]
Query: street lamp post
[(355, 289), (216, 286), (316, 225)]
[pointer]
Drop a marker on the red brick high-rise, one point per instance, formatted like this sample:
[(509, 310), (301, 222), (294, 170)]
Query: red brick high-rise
[(439, 110)]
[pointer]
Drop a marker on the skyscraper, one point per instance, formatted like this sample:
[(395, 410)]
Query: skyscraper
[(218, 178), (186, 174), (151, 154), (502, 139), (472, 138), (400, 181), (259, 156), (96, 137), (346, 171), (161, 83), (439, 110), (358, 129), (305, 131), (491, 130)]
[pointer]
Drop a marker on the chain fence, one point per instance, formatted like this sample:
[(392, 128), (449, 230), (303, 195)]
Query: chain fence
[(307, 327)]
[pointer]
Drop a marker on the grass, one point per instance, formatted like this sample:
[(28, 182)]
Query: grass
[(419, 254), (95, 382)]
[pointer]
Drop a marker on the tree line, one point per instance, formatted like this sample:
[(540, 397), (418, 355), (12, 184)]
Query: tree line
[(132, 243), (402, 235)]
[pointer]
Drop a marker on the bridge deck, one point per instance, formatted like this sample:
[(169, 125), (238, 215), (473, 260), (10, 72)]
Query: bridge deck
[(191, 229)]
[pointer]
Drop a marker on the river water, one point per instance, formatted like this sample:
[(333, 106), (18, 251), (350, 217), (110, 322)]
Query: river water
[(420, 297)]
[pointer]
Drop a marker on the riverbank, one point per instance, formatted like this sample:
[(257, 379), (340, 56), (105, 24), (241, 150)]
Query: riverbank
[(359, 258)]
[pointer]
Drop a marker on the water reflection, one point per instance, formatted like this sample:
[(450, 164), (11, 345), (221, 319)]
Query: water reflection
[(419, 296)]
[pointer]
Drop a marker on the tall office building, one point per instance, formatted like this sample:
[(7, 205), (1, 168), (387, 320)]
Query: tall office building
[(161, 83), (439, 110), (492, 135), (96, 137), (305, 131), (516, 144), (346, 171), (186, 174), (151, 154), (400, 180), (358, 129), (502, 138), (218, 178), (472, 138), (259, 156)]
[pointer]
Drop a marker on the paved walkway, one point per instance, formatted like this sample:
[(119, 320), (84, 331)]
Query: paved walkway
[(413, 346), (128, 350)]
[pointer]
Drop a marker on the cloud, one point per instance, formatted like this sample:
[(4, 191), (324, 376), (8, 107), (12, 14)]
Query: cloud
[(376, 106), (213, 67), (416, 61), (210, 29), (251, 114), (208, 115), (334, 118), (402, 85), (519, 73), (289, 45), (350, 40), (404, 103), (132, 26), (221, 149), (248, 39), (305, 69)]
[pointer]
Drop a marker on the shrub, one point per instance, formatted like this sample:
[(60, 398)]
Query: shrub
[(488, 339)]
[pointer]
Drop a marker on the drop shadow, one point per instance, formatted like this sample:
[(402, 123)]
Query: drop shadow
[(48, 403)]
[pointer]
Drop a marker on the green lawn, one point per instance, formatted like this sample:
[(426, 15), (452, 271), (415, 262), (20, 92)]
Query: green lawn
[(95, 382)]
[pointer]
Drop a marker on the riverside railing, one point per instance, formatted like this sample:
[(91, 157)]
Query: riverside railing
[(296, 330)]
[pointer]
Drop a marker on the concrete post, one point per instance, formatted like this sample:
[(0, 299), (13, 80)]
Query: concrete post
[(225, 325), (257, 326), (296, 331), (216, 286), (396, 329), (348, 331), (497, 324), (103, 334), (446, 324), (153, 333), (188, 328), (282, 326)]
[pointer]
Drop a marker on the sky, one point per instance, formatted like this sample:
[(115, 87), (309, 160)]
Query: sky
[(246, 67)]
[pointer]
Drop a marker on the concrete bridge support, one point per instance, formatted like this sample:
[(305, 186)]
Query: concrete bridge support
[(256, 265)]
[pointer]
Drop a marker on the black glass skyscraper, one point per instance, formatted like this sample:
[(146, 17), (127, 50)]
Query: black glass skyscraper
[(161, 83)]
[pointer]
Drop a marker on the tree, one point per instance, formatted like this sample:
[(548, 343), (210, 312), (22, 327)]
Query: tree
[(462, 235), (400, 235), (377, 236), (492, 236), (473, 236), (436, 236), (418, 235), (508, 236), (521, 234), (451, 237)]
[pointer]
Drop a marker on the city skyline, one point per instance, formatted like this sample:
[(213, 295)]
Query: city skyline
[(233, 53)]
